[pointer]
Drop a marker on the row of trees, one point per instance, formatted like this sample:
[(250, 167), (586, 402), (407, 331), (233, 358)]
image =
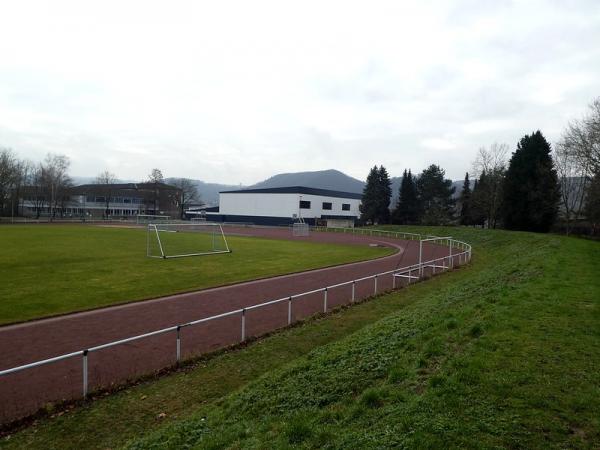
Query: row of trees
[(522, 196), (426, 199), (529, 191), (46, 185), (45, 182)]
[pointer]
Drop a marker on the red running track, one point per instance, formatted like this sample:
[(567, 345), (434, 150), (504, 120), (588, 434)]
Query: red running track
[(23, 393)]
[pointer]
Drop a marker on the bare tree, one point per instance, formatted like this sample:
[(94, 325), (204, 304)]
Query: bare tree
[(14, 174), (106, 180), (155, 177), (582, 138), (574, 177), (189, 192), (8, 169), (490, 164), (38, 189), (55, 175)]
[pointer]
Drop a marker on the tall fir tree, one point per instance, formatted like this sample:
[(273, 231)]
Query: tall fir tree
[(479, 197), (385, 195), (407, 207), (465, 202), (368, 206), (435, 194), (531, 191), (375, 206)]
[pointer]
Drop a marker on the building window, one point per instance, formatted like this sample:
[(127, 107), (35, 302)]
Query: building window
[(327, 205), (345, 206), (304, 204)]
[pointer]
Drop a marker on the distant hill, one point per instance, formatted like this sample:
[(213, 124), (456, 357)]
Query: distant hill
[(322, 179)]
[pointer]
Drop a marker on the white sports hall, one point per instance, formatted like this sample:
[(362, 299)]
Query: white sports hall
[(285, 205)]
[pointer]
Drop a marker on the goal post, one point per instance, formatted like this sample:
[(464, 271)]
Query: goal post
[(141, 219), (300, 229), (177, 240)]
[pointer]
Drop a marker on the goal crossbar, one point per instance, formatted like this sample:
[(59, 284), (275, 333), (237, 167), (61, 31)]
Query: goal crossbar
[(215, 231)]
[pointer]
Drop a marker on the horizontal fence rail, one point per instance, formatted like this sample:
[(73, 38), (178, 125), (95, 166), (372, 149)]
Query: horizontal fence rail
[(457, 250)]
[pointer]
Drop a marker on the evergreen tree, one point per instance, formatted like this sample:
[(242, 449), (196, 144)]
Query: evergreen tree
[(368, 206), (407, 208), (385, 195), (435, 196), (465, 202), (375, 207), (479, 201), (399, 214), (531, 191)]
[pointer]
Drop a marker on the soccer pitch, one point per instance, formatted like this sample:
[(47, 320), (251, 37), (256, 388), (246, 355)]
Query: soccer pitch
[(57, 269)]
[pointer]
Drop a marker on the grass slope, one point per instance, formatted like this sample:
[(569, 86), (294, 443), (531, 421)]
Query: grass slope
[(48, 270), (505, 353)]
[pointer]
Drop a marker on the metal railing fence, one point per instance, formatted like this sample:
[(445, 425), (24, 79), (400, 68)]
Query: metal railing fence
[(410, 273)]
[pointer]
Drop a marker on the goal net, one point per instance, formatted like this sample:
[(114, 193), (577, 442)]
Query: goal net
[(300, 229), (150, 218), (175, 240)]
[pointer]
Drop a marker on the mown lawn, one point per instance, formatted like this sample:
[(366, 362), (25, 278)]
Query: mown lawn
[(504, 353), (52, 269)]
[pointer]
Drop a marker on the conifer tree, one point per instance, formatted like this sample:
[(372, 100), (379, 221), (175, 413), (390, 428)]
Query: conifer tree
[(407, 208), (375, 207), (465, 202), (368, 206), (531, 191), (479, 204), (385, 195), (435, 196)]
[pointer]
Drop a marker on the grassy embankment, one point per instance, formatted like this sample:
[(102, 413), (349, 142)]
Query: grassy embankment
[(504, 353), (55, 269)]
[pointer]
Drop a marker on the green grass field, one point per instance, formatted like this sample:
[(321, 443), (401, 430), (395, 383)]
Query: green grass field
[(504, 353), (49, 270)]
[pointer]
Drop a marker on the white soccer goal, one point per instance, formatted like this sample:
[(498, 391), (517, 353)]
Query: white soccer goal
[(151, 218), (176, 240), (300, 229)]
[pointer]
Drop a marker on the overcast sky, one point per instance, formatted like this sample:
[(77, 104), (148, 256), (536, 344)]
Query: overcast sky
[(235, 92)]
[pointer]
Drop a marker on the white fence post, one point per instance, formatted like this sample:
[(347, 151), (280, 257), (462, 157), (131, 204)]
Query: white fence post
[(85, 373), (420, 258), (325, 300), (243, 324), (353, 291), (178, 344), (290, 310), (375, 286)]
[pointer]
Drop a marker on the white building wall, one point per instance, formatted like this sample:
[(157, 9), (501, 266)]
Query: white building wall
[(284, 205)]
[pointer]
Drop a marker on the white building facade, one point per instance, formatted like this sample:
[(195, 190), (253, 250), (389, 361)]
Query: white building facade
[(285, 205)]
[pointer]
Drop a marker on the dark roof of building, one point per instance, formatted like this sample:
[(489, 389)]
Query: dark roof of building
[(144, 185), (297, 190)]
